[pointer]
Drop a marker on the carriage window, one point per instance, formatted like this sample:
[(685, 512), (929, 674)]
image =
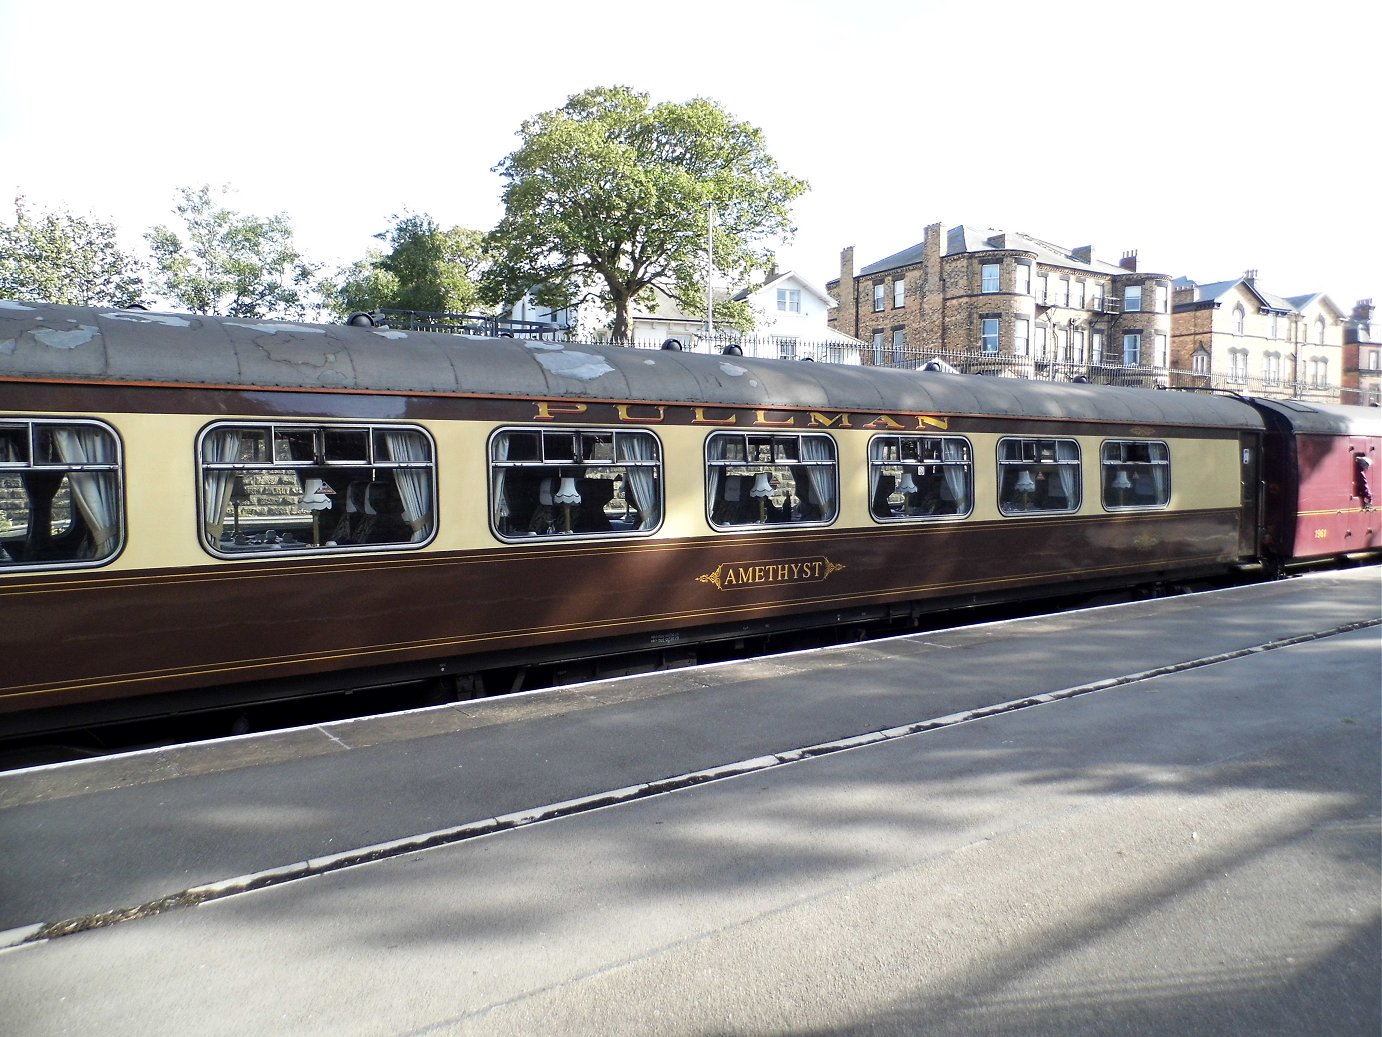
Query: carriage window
[(756, 479), (271, 488), (560, 482), (1038, 475), (61, 493), (1135, 474), (915, 477)]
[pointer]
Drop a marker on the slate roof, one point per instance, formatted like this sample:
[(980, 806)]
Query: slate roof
[(963, 238)]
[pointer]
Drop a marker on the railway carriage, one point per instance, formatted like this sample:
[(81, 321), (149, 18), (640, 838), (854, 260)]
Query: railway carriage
[(198, 511)]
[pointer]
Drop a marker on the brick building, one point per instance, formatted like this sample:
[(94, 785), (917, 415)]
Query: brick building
[(1362, 365), (1237, 335), (995, 302)]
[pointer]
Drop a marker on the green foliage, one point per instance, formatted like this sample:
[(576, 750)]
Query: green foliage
[(229, 264), (609, 195), (426, 268), (60, 258)]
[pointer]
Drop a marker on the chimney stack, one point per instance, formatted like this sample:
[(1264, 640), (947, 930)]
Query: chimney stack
[(1129, 261)]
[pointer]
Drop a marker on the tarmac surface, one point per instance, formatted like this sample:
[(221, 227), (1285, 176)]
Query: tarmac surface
[(1160, 818)]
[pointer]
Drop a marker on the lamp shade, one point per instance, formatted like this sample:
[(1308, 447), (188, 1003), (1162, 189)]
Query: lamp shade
[(907, 484), (761, 486), (1024, 482), (567, 492), (238, 493), (1120, 481), (316, 495)]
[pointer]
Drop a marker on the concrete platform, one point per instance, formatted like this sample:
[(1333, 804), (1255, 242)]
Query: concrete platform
[(1182, 836)]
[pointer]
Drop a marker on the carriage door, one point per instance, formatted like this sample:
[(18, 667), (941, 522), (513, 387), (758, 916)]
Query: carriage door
[(1250, 514)]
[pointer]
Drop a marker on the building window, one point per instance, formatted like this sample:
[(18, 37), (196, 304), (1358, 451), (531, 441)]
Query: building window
[(754, 480), (1273, 326), (786, 348), (1096, 346), (1077, 346), (1132, 349), (61, 493), (990, 277), (899, 293), (1237, 365), (1021, 333), (988, 338), (1096, 296), (789, 300), (1199, 361), (919, 477), (1163, 298), (1319, 372), (1077, 299), (1063, 291), (1022, 278), (878, 358), (1135, 474), (1132, 298), (1162, 355), (1319, 331), (879, 292), (1374, 359), (1040, 351), (268, 487), (1043, 287), (1038, 475), (1239, 319), (555, 482), (899, 345)]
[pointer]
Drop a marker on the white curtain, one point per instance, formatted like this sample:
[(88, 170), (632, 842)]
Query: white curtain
[(97, 494), (1066, 451), (819, 448), (956, 475), (877, 452), (221, 446), (643, 481), (715, 475), (501, 504), (414, 484)]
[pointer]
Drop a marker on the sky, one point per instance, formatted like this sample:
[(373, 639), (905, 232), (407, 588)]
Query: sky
[(1211, 137)]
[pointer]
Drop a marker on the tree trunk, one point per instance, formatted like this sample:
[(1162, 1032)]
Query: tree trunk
[(620, 329)]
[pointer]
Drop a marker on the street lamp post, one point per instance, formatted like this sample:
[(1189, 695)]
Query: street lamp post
[(710, 269)]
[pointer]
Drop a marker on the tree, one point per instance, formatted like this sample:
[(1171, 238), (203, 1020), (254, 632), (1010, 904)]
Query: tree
[(238, 266), (60, 258), (608, 196), (426, 268)]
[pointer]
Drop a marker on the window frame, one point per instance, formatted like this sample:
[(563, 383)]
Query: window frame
[(1109, 468), (717, 491), (879, 297), (990, 278), (922, 451), (569, 461), (1033, 445), (989, 338), (899, 293), (371, 463), (119, 537)]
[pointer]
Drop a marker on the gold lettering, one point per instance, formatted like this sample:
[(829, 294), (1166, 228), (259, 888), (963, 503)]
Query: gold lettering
[(927, 422), (701, 418), (820, 420), (549, 409), (883, 421), (745, 575), (626, 414)]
